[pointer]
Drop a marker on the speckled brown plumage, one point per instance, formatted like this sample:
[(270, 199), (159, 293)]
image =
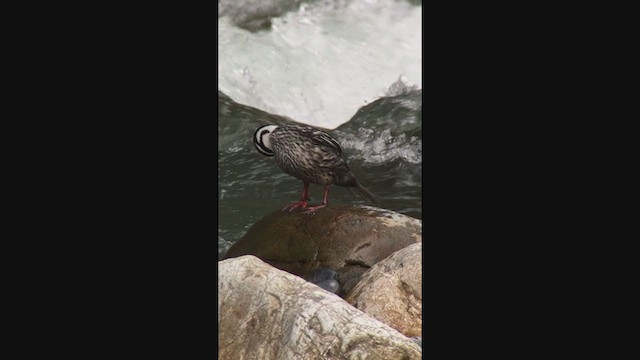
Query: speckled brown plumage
[(310, 155)]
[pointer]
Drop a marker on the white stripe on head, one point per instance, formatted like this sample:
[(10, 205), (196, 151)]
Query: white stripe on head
[(261, 139)]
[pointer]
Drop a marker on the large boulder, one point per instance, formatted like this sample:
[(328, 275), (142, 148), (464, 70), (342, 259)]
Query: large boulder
[(346, 238), (391, 291), (266, 313)]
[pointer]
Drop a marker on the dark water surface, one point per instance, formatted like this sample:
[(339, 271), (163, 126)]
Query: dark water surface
[(382, 143)]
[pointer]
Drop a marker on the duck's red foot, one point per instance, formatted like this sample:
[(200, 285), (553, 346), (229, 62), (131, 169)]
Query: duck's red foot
[(295, 205), (314, 208)]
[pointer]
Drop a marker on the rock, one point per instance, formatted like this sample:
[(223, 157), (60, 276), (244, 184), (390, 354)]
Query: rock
[(346, 238), (417, 340), (321, 274), (324, 277), (266, 313), (255, 15), (330, 285), (391, 291)]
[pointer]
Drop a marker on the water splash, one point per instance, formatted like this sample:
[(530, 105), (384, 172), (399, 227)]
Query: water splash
[(321, 62)]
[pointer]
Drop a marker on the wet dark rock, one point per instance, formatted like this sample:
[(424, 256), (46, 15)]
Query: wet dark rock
[(330, 285), (321, 274), (348, 239), (350, 284), (325, 278), (255, 15)]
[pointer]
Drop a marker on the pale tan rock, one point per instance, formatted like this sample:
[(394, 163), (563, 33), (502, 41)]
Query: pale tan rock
[(391, 291), (266, 313)]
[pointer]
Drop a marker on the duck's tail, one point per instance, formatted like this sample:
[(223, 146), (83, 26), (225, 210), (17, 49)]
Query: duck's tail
[(366, 194)]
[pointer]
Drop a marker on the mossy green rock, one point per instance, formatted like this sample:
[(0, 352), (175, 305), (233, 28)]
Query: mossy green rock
[(346, 238)]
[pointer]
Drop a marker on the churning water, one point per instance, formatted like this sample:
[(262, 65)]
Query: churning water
[(350, 66)]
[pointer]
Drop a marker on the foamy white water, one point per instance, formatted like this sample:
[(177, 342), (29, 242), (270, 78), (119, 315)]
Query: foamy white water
[(320, 64)]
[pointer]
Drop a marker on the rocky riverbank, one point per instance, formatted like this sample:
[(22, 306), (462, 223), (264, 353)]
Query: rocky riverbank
[(266, 308)]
